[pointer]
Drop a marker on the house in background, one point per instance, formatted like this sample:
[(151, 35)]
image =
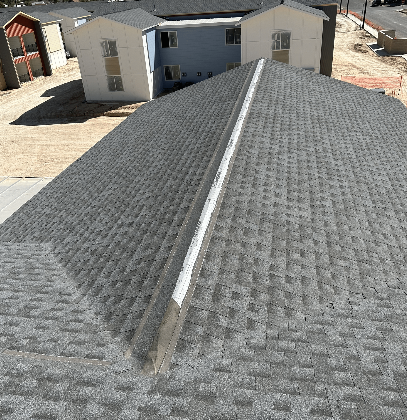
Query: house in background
[(289, 32), (71, 18), (53, 38), (23, 50), (117, 56), (192, 49)]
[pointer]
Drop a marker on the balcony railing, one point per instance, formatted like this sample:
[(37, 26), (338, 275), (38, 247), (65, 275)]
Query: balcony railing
[(17, 52), (32, 48), (24, 77), (38, 72)]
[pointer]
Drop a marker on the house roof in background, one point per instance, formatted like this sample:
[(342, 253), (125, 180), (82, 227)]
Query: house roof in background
[(289, 3), (199, 22), (300, 308), (45, 17), (165, 8), (137, 18), (6, 17), (72, 12)]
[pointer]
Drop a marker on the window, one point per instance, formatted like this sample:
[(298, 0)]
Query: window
[(231, 66), (169, 40), (112, 65), (172, 72), (280, 41), (115, 83), (79, 22), (233, 36), (109, 48)]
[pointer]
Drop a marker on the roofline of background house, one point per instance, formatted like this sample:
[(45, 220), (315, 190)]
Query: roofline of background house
[(19, 13)]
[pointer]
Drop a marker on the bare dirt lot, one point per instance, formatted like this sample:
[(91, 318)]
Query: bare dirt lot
[(46, 124), (352, 57)]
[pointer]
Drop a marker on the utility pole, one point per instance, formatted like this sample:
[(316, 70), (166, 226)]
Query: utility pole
[(347, 8), (340, 7), (364, 15)]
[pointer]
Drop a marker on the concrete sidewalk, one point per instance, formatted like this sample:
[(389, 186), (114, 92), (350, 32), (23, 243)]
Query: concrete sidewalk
[(14, 192), (372, 32)]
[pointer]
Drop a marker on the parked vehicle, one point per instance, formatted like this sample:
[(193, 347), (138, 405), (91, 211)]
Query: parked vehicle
[(376, 3)]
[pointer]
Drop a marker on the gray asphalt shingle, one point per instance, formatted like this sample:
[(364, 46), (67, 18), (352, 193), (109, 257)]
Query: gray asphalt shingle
[(300, 308), (44, 17), (289, 3), (136, 17), (72, 12)]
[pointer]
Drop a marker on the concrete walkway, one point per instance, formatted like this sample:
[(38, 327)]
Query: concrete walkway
[(371, 31), (14, 192)]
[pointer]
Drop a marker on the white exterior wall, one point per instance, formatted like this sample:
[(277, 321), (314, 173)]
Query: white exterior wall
[(134, 64), (67, 24), (57, 58), (306, 36)]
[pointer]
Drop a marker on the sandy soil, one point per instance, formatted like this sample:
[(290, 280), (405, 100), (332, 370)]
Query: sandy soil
[(352, 57), (46, 124)]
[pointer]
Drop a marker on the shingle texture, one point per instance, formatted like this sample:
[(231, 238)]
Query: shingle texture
[(72, 12), (7, 17), (137, 18), (165, 8), (289, 3), (300, 307), (44, 17)]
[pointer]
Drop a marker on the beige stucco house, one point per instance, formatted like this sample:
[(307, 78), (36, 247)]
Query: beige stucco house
[(289, 32)]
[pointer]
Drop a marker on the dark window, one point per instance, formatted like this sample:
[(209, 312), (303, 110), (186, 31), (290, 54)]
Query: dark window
[(109, 48), (169, 40), (233, 36), (114, 83), (280, 41), (172, 72)]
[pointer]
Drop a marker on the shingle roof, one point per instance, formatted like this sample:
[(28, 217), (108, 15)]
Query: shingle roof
[(6, 17), (300, 307), (289, 3), (72, 12), (44, 17), (135, 17)]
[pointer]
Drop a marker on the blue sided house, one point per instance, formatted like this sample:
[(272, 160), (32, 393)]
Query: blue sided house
[(136, 54)]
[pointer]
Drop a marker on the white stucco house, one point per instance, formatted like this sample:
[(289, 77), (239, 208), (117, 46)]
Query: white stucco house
[(71, 18), (113, 57), (53, 38), (289, 32)]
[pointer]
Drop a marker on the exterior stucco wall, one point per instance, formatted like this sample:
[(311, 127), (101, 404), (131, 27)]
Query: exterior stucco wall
[(57, 58), (306, 36), (132, 59), (9, 68), (200, 49)]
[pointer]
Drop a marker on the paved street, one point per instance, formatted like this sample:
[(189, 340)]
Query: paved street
[(386, 16)]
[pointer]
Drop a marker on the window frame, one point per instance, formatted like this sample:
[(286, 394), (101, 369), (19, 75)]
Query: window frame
[(280, 32), (234, 36), (103, 50), (112, 77), (168, 32), (172, 65)]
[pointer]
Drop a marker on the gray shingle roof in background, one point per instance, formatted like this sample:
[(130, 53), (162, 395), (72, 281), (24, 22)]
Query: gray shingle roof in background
[(72, 12), (290, 3), (44, 17), (6, 17), (300, 308), (135, 17), (163, 7)]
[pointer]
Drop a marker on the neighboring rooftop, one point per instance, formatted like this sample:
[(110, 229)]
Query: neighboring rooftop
[(137, 18), (200, 22), (6, 17), (72, 12), (289, 3), (300, 307), (45, 17)]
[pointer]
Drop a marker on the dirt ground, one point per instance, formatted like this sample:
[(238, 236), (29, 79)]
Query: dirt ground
[(352, 57), (46, 124)]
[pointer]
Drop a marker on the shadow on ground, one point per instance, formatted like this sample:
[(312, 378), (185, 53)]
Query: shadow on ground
[(67, 104)]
